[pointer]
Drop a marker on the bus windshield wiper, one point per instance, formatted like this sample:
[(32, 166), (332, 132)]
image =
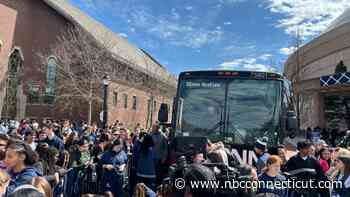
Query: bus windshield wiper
[(220, 123), (217, 125)]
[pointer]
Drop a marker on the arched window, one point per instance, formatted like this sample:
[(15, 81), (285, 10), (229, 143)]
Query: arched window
[(15, 64), (51, 76), (50, 80)]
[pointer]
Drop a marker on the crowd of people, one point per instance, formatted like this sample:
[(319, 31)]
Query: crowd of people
[(61, 158), (306, 158)]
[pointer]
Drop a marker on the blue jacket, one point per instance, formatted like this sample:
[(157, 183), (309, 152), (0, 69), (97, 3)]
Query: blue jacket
[(269, 188), (56, 142), (146, 164), (150, 193), (261, 162), (21, 178), (113, 180), (111, 157)]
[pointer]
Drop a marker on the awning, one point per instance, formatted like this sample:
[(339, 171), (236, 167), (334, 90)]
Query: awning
[(337, 79)]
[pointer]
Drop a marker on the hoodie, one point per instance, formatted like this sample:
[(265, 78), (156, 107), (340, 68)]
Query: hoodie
[(21, 178)]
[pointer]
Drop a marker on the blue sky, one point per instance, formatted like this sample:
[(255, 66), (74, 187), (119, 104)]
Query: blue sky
[(215, 34)]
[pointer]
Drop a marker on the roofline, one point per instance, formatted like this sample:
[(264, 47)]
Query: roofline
[(54, 4), (313, 44), (203, 71)]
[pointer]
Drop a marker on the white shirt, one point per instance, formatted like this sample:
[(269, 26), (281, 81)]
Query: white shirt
[(33, 146)]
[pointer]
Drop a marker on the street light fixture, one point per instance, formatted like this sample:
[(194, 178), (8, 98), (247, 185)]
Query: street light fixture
[(105, 83), (105, 80)]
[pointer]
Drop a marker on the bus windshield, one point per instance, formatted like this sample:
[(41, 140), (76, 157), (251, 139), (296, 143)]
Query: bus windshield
[(235, 110)]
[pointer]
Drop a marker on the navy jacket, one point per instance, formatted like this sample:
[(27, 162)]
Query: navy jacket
[(160, 145), (114, 159), (136, 151), (268, 188), (111, 157), (343, 191), (113, 180), (146, 164), (56, 142), (21, 178)]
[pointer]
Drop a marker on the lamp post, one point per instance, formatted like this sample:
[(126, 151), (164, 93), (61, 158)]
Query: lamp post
[(105, 82)]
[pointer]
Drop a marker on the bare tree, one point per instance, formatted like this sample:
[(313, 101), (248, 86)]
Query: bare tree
[(156, 85), (296, 78), (82, 62)]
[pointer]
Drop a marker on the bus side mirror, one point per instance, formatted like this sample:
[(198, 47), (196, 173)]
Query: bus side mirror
[(291, 121), (163, 113), (179, 106)]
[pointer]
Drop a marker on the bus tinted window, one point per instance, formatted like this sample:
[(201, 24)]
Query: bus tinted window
[(234, 110), (253, 109)]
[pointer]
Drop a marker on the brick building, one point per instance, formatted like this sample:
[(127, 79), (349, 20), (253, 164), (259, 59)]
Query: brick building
[(325, 94), (31, 26)]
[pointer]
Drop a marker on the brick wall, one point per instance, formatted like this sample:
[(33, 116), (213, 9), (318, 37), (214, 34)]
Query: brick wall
[(130, 116), (33, 26)]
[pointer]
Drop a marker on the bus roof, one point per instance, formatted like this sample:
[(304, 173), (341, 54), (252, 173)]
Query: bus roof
[(231, 73)]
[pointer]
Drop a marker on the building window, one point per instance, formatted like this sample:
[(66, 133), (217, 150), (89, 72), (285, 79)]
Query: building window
[(15, 64), (149, 113), (134, 102), (49, 98), (115, 99), (50, 80), (33, 94), (125, 101)]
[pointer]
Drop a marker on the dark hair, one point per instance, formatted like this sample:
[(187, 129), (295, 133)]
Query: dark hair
[(304, 144), (146, 144), (27, 192), (116, 142), (197, 172), (83, 140), (42, 150), (104, 137), (323, 150), (23, 148), (196, 152), (280, 146), (215, 157), (142, 134), (49, 126), (70, 140), (28, 133), (245, 170)]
